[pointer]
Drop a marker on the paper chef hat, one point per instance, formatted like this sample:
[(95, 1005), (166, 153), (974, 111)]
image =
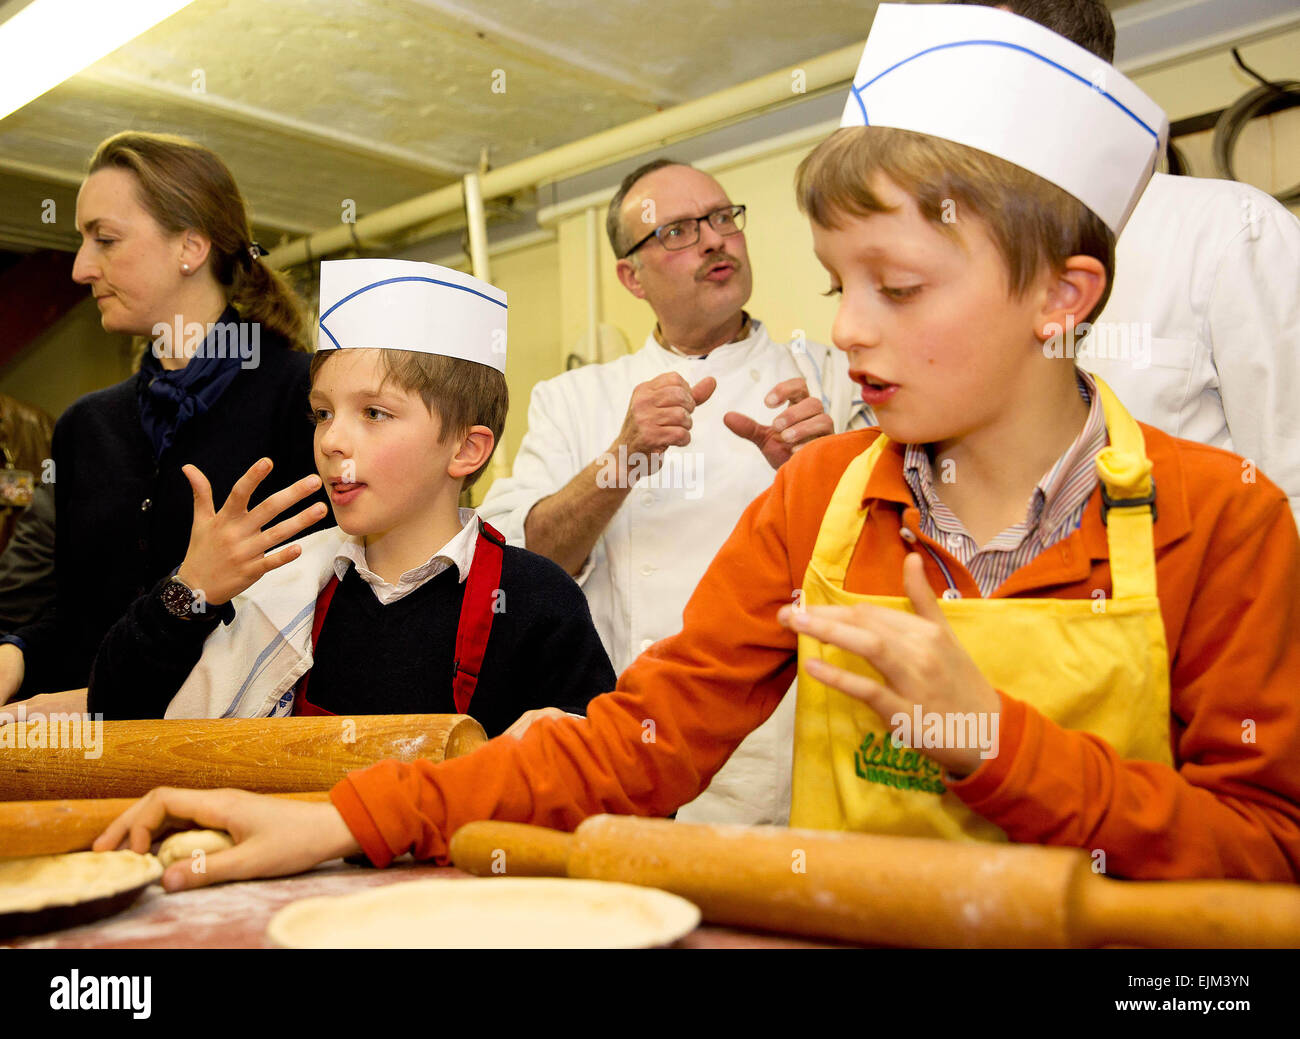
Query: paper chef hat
[(406, 305), (995, 81)]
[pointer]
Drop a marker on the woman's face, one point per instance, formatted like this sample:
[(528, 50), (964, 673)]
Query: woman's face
[(132, 265)]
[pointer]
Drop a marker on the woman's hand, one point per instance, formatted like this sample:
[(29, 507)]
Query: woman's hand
[(227, 550), (918, 656), (274, 836), (70, 701)]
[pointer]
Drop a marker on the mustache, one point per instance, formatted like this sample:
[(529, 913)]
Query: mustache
[(719, 257)]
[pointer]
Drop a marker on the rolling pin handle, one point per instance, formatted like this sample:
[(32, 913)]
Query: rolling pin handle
[(1181, 914), (510, 849)]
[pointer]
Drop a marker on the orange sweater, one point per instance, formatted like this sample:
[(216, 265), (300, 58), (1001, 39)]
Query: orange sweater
[(1228, 572)]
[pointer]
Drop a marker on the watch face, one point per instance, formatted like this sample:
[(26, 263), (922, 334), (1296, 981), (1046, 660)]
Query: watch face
[(177, 598)]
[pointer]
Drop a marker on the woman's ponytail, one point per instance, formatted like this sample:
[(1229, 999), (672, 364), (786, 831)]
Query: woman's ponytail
[(265, 295)]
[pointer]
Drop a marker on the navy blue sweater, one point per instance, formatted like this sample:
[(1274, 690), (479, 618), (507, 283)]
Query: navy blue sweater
[(389, 659)]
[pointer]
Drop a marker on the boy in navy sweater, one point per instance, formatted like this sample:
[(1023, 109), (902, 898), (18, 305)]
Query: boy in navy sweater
[(409, 605)]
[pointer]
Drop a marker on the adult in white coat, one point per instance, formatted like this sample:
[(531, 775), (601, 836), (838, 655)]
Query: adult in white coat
[(633, 472), (1201, 336)]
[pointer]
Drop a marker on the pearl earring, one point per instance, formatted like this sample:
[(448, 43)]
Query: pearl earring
[(185, 267)]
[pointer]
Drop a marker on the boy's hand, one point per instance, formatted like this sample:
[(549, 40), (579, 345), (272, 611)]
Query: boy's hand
[(274, 836), (804, 420), (227, 549), (919, 657), (525, 720)]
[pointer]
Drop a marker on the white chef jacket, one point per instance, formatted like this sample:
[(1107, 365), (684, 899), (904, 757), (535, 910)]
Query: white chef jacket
[(654, 551), (1201, 335)]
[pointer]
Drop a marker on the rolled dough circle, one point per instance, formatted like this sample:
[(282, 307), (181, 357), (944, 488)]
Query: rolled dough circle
[(488, 913), (182, 846), (44, 881)]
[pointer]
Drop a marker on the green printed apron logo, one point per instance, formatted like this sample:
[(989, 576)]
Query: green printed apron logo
[(877, 760)]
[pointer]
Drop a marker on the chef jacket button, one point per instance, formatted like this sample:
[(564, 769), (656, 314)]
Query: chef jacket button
[(951, 593), (647, 500), (647, 570), (646, 644), (754, 374), (907, 535), (146, 505)]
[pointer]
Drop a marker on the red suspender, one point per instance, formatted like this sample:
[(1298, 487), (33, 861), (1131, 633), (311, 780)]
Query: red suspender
[(476, 613), (301, 705)]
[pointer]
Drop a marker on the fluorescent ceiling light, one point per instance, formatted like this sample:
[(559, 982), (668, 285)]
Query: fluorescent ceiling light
[(52, 40)]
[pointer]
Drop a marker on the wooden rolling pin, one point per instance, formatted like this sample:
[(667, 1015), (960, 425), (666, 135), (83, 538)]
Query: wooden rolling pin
[(891, 890), (269, 755), (54, 827)]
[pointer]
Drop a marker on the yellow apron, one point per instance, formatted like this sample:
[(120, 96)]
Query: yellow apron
[(1097, 664)]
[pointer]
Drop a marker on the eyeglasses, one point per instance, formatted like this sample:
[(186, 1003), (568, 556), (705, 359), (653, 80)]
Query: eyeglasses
[(682, 234)]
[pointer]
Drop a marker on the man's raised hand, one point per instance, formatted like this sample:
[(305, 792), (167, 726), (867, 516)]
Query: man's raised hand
[(804, 420), (659, 417), (227, 550)]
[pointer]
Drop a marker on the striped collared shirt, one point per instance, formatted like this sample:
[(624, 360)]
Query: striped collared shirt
[(1055, 508)]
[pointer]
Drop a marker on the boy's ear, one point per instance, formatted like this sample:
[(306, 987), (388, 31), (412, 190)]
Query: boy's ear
[(475, 449), (1073, 291)]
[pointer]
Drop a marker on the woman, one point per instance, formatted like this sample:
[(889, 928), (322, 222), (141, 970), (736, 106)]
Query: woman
[(167, 253), (25, 433)]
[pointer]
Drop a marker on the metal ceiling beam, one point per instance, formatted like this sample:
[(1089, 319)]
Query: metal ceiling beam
[(45, 174), (72, 179), (14, 236)]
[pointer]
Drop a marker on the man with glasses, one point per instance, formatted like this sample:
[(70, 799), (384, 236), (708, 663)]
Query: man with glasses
[(633, 472)]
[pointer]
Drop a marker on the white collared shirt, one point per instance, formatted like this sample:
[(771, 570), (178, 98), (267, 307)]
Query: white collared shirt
[(458, 552)]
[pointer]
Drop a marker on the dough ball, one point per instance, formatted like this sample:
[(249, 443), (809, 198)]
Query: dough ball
[(181, 846)]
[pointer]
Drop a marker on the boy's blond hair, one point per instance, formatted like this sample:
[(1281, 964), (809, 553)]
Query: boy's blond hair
[(461, 393), (1033, 223)]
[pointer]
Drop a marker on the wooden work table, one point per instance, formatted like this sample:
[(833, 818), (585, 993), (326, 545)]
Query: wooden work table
[(236, 915)]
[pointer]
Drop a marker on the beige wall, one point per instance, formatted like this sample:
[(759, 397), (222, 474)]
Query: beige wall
[(530, 278), (73, 357), (1268, 149)]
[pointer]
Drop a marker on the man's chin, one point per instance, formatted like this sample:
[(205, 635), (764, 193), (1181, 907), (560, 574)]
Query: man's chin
[(736, 290)]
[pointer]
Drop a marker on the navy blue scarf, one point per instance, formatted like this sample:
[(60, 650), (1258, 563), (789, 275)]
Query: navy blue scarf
[(169, 399)]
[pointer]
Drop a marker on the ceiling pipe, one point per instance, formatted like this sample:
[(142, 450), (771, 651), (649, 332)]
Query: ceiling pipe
[(793, 83), (476, 222), (593, 285)]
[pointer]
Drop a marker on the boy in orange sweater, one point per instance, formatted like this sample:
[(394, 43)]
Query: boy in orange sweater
[(1113, 662)]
